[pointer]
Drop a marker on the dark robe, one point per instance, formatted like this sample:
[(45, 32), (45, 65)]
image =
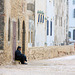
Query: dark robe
[(20, 56)]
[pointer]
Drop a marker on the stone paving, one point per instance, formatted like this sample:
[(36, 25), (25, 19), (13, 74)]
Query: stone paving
[(56, 66)]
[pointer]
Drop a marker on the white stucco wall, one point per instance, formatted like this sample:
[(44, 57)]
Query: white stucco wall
[(40, 28), (50, 17), (61, 22), (71, 18)]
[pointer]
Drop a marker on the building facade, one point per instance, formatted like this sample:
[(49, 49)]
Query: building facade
[(57, 22), (72, 20), (14, 28), (50, 22), (31, 23), (61, 22), (40, 22)]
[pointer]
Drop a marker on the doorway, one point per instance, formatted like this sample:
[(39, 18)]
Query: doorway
[(14, 39), (23, 38)]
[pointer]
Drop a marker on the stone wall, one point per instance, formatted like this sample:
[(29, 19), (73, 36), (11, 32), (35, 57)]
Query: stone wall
[(14, 11), (1, 24), (1, 5), (37, 53)]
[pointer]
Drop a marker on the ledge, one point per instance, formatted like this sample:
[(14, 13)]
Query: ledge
[(1, 51)]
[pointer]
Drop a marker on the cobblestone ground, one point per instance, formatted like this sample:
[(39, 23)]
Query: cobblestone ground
[(56, 66)]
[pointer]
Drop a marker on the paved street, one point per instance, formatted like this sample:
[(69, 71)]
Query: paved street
[(56, 66)]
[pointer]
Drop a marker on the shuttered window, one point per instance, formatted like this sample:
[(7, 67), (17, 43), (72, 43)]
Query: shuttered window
[(74, 13), (73, 34), (50, 28), (39, 18), (69, 34), (47, 27), (43, 18)]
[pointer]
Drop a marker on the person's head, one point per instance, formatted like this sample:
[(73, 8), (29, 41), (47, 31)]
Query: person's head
[(19, 48)]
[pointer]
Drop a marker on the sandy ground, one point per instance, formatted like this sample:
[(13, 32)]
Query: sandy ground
[(56, 66)]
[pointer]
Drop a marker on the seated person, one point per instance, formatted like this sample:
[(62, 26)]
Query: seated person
[(20, 56)]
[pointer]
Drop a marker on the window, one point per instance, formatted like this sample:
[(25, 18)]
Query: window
[(18, 29), (43, 19), (74, 13), (50, 28), (47, 27), (74, 34), (55, 19), (73, 1), (39, 18), (69, 34), (61, 21), (9, 30), (28, 37), (31, 7)]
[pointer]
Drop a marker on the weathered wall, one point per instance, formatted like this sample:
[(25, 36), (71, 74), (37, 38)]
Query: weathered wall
[(61, 22), (1, 24), (14, 11), (37, 53), (40, 27)]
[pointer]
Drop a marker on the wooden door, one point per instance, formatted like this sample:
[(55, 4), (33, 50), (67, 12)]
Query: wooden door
[(14, 39)]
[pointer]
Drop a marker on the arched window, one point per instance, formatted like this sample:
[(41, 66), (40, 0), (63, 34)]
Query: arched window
[(74, 34), (47, 27), (50, 28), (9, 30), (18, 29), (43, 19), (39, 18), (69, 34)]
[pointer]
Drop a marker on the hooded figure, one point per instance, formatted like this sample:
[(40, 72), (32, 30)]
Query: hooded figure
[(20, 56)]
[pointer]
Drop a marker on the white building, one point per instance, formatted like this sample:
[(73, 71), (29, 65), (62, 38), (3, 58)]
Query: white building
[(40, 22), (57, 22), (47, 24), (61, 22), (50, 22), (71, 20), (37, 22)]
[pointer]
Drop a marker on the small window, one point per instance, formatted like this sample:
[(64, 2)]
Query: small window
[(43, 19), (74, 13), (50, 28), (9, 30), (69, 34), (47, 27), (39, 18), (55, 19), (73, 34)]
